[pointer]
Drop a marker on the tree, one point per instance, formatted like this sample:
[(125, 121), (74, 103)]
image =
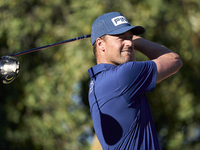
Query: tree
[(46, 106), (41, 109)]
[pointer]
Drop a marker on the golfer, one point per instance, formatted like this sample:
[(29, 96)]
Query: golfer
[(119, 108)]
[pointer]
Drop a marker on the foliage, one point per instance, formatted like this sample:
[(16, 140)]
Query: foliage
[(46, 106)]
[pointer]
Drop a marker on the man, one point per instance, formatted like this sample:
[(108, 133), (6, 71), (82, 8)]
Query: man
[(119, 108)]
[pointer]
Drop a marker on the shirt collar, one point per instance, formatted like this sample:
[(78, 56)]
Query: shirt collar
[(99, 68)]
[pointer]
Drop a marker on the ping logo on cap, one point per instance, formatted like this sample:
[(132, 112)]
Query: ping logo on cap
[(119, 20)]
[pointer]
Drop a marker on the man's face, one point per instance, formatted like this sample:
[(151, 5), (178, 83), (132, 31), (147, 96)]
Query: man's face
[(119, 48)]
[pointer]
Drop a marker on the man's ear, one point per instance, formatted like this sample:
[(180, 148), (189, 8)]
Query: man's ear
[(100, 44)]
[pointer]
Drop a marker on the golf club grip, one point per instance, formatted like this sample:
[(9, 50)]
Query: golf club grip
[(50, 45)]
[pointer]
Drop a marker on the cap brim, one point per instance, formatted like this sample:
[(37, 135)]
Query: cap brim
[(135, 29)]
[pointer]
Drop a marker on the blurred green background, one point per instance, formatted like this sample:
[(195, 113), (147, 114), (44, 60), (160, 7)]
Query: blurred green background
[(46, 107)]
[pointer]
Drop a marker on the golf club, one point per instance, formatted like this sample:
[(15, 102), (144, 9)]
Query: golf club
[(9, 66)]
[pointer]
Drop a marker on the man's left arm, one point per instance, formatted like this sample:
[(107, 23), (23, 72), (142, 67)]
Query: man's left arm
[(167, 62)]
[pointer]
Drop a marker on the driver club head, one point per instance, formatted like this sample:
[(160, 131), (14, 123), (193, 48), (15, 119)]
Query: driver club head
[(9, 69)]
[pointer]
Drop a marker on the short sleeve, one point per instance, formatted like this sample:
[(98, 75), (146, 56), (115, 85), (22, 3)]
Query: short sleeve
[(136, 78)]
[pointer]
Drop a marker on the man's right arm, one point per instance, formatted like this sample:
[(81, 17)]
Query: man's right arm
[(167, 62)]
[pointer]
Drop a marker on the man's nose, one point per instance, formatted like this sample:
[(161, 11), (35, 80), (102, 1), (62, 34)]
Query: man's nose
[(128, 42)]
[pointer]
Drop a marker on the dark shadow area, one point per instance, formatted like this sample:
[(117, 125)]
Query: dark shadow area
[(112, 130)]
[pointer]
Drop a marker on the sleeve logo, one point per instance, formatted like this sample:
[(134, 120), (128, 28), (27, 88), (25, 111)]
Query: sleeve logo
[(91, 86)]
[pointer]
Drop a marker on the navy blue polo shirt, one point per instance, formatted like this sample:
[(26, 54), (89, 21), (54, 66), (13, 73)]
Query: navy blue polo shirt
[(119, 108)]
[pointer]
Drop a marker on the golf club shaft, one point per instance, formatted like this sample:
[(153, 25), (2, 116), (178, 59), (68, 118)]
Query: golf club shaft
[(50, 45)]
